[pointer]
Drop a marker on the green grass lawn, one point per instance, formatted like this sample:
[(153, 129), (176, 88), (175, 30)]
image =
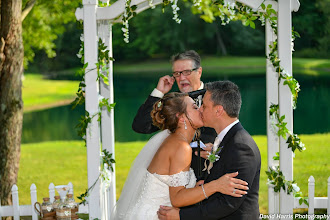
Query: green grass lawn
[(65, 161), (39, 93)]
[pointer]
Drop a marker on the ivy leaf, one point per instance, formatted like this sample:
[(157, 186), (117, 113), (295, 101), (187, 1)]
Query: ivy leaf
[(306, 202), (105, 79), (274, 18), (277, 157), (263, 6), (252, 25), (253, 18)]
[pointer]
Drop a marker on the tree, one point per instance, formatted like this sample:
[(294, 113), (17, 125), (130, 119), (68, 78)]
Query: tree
[(313, 24), (40, 30), (11, 104)]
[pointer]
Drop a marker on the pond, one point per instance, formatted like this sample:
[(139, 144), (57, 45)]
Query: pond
[(311, 116)]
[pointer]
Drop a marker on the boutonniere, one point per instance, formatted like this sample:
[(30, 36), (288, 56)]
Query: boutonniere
[(212, 157)]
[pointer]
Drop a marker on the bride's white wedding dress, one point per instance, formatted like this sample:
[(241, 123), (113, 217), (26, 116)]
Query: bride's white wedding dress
[(143, 191), (156, 192)]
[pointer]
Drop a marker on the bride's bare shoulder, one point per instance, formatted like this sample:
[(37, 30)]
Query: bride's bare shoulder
[(176, 145)]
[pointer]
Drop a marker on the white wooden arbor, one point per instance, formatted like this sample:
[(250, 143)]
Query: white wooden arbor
[(98, 24)]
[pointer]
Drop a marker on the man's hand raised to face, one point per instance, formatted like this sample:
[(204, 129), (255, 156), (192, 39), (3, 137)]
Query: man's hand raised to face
[(165, 84)]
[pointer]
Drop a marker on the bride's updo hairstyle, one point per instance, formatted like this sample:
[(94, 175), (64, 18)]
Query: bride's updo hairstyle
[(165, 110)]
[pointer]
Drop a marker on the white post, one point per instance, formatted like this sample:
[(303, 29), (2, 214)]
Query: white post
[(14, 191), (272, 138), (311, 191), (328, 205), (285, 98), (91, 104), (107, 120), (70, 188), (33, 193), (51, 189)]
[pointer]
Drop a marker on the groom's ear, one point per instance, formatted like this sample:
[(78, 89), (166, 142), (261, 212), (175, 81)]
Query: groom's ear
[(219, 110)]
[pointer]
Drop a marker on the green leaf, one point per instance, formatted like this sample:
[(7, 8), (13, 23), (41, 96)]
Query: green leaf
[(253, 18), (263, 6), (306, 202), (252, 25)]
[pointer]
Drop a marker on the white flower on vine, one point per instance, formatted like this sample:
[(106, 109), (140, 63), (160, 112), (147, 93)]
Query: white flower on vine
[(230, 4), (197, 3), (151, 4), (262, 20), (270, 183), (274, 168), (302, 146), (82, 37), (292, 45), (80, 52), (106, 175), (272, 123), (125, 31), (285, 73), (295, 188), (175, 9)]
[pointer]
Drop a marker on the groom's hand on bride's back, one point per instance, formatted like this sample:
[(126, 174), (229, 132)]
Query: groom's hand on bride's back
[(205, 152), (168, 213)]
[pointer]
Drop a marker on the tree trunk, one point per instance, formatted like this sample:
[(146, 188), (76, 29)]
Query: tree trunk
[(11, 104), (220, 41)]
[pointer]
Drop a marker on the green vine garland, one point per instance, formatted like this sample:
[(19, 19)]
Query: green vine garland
[(209, 9), (102, 67)]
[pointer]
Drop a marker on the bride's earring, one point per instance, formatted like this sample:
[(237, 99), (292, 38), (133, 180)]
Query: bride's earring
[(185, 124)]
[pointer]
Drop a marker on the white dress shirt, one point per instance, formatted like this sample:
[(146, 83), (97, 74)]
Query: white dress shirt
[(223, 133)]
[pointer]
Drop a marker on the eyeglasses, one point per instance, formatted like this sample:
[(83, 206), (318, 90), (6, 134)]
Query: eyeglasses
[(184, 72)]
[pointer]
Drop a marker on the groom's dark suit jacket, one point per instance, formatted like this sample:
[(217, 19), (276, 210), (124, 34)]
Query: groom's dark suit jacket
[(239, 153), (143, 124)]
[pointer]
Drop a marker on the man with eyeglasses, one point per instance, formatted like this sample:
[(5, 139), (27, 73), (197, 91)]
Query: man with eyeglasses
[(187, 72)]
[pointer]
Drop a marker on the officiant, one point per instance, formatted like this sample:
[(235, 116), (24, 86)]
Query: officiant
[(187, 72)]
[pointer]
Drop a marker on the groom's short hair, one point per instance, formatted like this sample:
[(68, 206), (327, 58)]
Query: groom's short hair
[(227, 94)]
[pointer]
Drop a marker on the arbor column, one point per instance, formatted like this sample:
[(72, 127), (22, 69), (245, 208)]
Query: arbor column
[(92, 105), (285, 98), (107, 119), (272, 98)]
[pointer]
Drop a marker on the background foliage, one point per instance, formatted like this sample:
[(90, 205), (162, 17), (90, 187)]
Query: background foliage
[(154, 34)]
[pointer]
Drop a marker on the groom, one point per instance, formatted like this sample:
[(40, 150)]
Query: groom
[(239, 152)]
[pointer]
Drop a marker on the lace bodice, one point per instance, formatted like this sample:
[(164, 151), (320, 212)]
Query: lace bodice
[(156, 192), (184, 178)]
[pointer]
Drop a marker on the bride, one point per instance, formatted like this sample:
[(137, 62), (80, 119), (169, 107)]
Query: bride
[(161, 174)]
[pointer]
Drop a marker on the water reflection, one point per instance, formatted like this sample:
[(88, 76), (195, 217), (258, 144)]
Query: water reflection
[(311, 116)]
